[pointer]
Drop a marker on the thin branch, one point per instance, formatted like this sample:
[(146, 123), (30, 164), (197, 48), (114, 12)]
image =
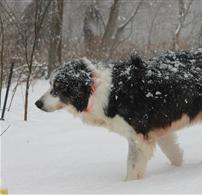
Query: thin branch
[(5, 130), (11, 13), (111, 24), (38, 21), (152, 24), (187, 8), (183, 12), (122, 26), (1, 56)]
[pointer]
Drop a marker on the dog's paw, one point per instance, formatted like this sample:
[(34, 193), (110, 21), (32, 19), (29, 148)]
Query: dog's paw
[(134, 176), (177, 160)]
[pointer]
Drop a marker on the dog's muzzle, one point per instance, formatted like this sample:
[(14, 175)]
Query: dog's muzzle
[(39, 104)]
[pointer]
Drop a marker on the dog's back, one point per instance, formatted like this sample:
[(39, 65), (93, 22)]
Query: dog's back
[(152, 94)]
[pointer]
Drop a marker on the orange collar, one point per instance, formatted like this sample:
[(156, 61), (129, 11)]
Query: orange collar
[(91, 100)]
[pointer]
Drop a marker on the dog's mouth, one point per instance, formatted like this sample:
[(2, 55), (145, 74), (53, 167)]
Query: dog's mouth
[(46, 110), (40, 104)]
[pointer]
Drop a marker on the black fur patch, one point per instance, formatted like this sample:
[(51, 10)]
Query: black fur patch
[(154, 93), (72, 84)]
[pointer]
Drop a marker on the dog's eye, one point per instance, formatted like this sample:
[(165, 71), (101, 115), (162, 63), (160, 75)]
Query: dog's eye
[(56, 84), (54, 93)]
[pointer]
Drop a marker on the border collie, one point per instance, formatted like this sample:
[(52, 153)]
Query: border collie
[(146, 101)]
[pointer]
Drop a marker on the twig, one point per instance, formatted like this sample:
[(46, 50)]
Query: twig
[(5, 130), (7, 91)]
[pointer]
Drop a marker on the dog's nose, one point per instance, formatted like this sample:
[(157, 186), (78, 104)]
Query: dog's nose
[(39, 104)]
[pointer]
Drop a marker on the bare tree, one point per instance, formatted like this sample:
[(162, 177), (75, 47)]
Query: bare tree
[(108, 30), (149, 43), (55, 39), (60, 13), (39, 16), (184, 9), (118, 37), (93, 26), (122, 27), (1, 55), (111, 26), (200, 37), (113, 31)]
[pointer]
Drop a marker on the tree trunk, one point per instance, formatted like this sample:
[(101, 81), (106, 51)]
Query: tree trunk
[(183, 12), (149, 42), (92, 27), (113, 32), (38, 22), (122, 27), (60, 13), (111, 27), (29, 74), (55, 39), (200, 37), (1, 56)]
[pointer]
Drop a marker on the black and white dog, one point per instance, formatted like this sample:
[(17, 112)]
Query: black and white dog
[(145, 101)]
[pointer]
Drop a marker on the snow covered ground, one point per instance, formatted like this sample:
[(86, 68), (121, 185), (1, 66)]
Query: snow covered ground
[(55, 153)]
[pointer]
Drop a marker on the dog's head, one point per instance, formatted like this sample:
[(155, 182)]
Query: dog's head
[(70, 84)]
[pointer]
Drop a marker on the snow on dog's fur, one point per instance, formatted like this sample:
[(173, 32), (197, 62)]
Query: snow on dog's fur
[(145, 101)]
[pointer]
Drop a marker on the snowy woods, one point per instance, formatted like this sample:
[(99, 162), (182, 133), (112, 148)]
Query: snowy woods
[(56, 153), (38, 35)]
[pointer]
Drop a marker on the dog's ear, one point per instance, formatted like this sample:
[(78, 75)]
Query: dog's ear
[(92, 68), (137, 66), (136, 61), (81, 91), (88, 63)]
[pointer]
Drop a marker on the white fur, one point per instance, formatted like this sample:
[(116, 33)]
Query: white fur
[(171, 149), (138, 157)]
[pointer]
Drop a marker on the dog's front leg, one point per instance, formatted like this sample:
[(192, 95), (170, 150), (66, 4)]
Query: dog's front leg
[(138, 155)]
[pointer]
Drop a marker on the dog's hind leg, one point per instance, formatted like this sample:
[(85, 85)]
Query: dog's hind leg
[(138, 155), (171, 148)]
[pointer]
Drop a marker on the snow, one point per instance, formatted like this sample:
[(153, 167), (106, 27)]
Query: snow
[(54, 153), (149, 94), (158, 93), (170, 62)]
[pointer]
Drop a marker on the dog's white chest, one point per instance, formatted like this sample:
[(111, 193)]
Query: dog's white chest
[(116, 124)]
